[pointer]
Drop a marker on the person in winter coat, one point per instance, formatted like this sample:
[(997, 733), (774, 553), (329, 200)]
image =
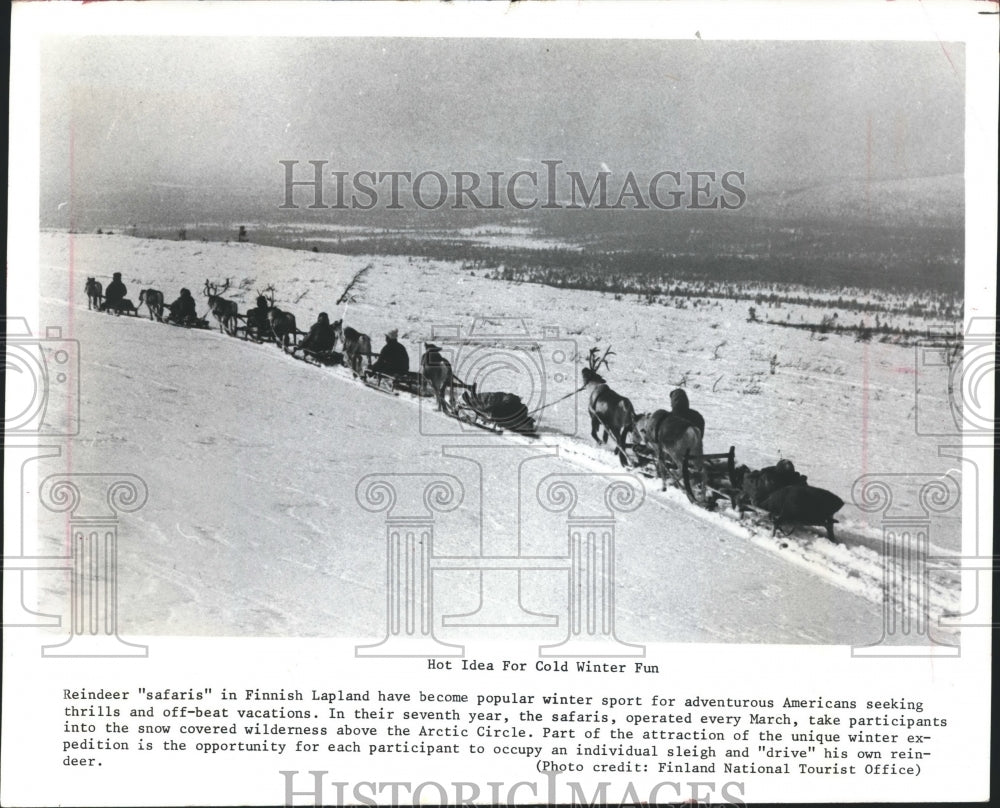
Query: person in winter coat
[(257, 318), (393, 360), (680, 407), (320, 337), (506, 410), (759, 485), (114, 294), (183, 309)]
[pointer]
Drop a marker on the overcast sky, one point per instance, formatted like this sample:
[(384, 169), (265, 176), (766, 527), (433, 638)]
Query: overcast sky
[(221, 112)]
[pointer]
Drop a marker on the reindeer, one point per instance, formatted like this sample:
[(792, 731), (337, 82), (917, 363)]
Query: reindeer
[(437, 370), (357, 346), (225, 311), (672, 437), (607, 408), (153, 299), (95, 292), (281, 324)]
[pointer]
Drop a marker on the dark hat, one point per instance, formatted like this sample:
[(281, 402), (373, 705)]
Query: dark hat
[(394, 334), (118, 274), (431, 347)]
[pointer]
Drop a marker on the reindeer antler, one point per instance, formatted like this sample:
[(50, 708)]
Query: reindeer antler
[(594, 363)]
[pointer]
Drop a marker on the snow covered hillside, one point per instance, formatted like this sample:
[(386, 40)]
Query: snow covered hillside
[(252, 458)]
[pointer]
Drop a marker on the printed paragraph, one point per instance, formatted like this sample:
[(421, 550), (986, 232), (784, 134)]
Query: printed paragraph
[(551, 731)]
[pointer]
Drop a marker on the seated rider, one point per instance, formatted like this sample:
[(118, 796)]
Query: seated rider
[(393, 360), (257, 318), (114, 294), (183, 310), (679, 406), (320, 338)]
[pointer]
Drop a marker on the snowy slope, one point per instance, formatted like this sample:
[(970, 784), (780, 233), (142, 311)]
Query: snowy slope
[(252, 458)]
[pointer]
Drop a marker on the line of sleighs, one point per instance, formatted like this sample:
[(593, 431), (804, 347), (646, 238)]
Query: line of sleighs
[(389, 372), (665, 443)]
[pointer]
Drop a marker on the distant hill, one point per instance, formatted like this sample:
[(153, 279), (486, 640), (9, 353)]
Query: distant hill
[(922, 201), (925, 201)]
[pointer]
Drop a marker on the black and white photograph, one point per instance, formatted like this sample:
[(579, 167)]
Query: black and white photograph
[(611, 385)]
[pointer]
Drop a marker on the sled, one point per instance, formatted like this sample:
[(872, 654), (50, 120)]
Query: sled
[(409, 382), (243, 331), (759, 517), (127, 308), (469, 416), (200, 323), (382, 382), (719, 468), (414, 384), (474, 417), (495, 411), (320, 358)]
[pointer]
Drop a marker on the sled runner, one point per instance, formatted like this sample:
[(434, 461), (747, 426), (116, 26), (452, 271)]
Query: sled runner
[(123, 306), (469, 416), (720, 469), (382, 382), (410, 382), (200, 323), (320, 358), (497, 411), (251, 331)]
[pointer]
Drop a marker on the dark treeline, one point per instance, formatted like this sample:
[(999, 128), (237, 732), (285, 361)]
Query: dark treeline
[(639, 259), (867, 333), (635, 271)]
